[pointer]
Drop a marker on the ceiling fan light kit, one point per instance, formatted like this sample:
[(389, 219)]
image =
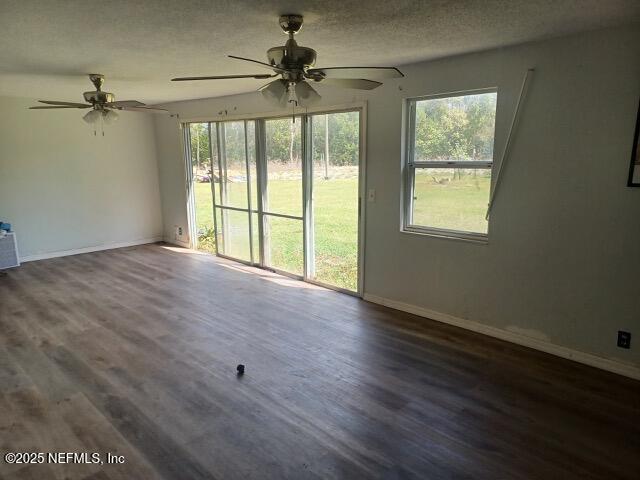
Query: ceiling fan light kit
[(92, 116), (275, 92), (305, 94), (107, 116), (110, 116), (294, 64)]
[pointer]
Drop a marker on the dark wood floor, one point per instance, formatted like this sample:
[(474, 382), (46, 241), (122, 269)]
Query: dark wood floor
[(133, 352)]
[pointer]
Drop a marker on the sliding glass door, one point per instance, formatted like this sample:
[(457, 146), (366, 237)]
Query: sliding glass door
[(335, 153), (286, 194), (283, 230), (203, 160), (233, 212)]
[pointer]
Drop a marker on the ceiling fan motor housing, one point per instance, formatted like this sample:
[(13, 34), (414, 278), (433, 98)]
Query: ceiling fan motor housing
[(99, 97), (292, 57)]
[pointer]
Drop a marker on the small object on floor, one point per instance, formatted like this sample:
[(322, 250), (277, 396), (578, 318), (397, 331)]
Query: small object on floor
[(240, 369)]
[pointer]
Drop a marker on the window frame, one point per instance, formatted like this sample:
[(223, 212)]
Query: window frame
[(409, 166)]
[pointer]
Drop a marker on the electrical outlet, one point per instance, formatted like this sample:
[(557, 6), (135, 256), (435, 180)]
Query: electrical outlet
[(180, 231), (624, 339)]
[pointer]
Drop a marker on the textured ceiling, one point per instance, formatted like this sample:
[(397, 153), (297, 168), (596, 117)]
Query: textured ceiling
[(47, 46)]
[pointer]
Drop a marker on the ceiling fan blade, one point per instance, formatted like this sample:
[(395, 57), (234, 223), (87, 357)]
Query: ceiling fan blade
[(124, 103), (223, 77), (66, 104), (145, 109), (357, 83), (306, 94), (356, 72), (272, 67), (52, 106)]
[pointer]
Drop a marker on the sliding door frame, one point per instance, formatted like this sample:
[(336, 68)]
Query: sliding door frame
[(185, 141), (362, 111), (260, 259)]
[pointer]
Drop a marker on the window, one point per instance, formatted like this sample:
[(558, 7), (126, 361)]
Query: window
[(449, 161)]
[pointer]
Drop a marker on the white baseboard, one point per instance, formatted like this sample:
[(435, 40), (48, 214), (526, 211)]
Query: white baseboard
[(95, 248), (586, 358)]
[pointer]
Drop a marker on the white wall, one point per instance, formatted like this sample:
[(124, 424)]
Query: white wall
[(63, 188), (172, 175), (562, 266)]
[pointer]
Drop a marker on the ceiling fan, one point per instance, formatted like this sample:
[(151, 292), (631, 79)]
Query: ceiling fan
[(103, 105), (293, 64)]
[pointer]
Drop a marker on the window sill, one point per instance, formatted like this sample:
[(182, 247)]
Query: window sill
[(477, 238)]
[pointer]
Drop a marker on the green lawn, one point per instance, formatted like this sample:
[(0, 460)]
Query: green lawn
[(440, 201), (335, 223)]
